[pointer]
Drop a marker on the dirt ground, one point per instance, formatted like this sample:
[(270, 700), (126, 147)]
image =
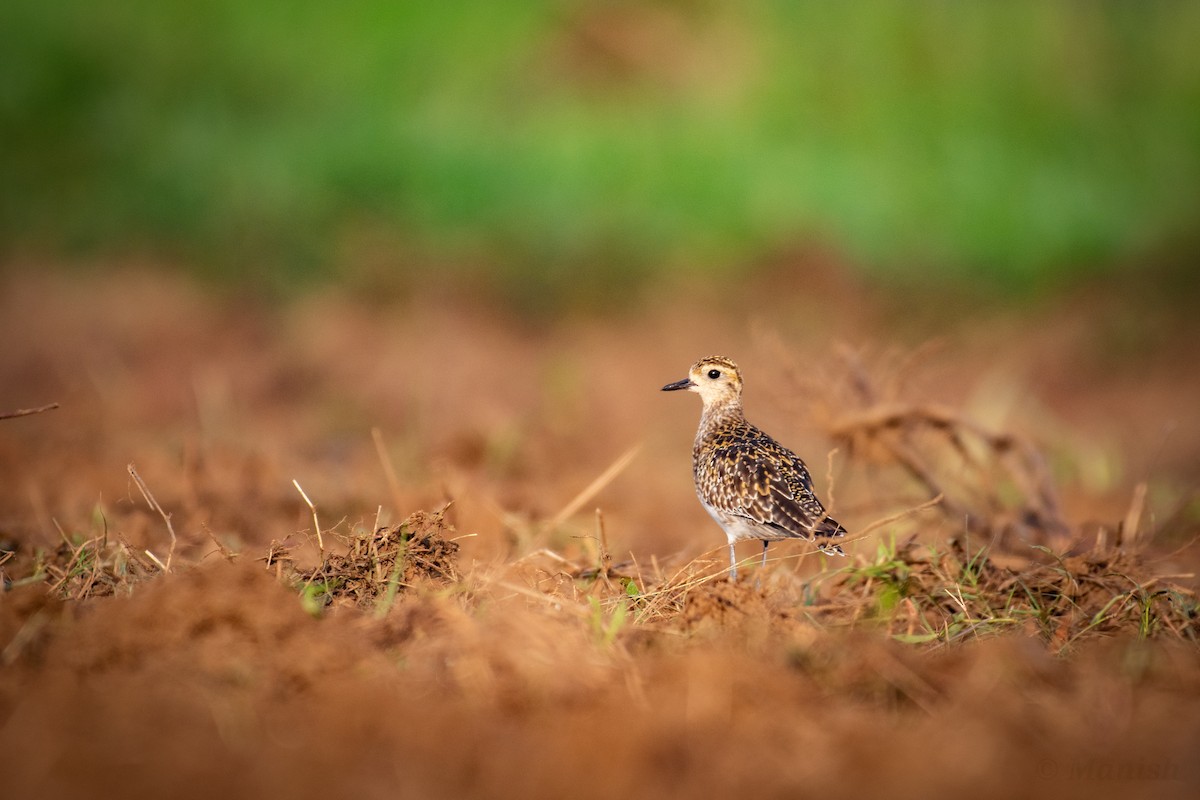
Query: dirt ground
[(504, 585)]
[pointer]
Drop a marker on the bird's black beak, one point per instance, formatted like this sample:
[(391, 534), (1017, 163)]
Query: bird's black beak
[(686, 383)]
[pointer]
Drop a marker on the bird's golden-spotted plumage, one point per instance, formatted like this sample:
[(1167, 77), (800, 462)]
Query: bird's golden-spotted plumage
[(754, 487)]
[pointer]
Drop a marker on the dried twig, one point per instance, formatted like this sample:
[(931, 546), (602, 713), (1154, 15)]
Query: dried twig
[(25, 412), (879, 523), (1133, 517), (594, 488), (313, 508), (141, 484), (830, 504), (389, 471)]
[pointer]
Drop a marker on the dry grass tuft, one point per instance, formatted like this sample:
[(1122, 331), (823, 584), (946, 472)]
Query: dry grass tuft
[(381, 563), (81, 568), (914, 593), (926, 595)]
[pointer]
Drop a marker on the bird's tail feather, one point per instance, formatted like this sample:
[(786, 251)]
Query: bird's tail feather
[(829, 528)]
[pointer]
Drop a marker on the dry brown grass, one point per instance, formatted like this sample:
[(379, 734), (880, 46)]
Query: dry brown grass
[(379, 564), (994, 485)]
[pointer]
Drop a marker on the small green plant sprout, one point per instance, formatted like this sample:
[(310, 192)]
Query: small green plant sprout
[(388, 598), (316, 595), (606, 630), (888, 576)]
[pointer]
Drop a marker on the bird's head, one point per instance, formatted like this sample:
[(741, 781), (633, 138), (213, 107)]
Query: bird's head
[(716, 379)]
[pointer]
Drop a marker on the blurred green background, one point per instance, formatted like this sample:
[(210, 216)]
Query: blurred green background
[(578, 144)]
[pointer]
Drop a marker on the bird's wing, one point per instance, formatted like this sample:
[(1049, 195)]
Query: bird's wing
[(769, 484)]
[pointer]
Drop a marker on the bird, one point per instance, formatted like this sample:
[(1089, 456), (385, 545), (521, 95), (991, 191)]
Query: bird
[(754, 487)]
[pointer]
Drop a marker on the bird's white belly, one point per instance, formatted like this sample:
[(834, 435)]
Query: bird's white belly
[(739, 528)]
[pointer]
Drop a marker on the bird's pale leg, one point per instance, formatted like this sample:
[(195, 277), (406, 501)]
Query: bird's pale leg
[(732, 563), (758, 578)]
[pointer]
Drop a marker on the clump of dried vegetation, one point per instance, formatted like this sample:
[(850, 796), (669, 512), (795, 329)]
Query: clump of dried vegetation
[(917, 594), (923, 594), (994, 485), (378, 564), (83, 568)]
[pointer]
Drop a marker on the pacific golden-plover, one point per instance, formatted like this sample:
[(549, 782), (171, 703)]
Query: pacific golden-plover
[(754, 487)]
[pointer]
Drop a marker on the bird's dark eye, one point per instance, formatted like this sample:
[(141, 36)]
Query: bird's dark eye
[(714, 374)]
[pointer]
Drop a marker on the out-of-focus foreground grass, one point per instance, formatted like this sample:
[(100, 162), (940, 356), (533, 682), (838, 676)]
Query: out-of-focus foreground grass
[(561, 144)]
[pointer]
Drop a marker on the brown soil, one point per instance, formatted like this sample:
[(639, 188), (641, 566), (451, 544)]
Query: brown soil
[(557, 622)]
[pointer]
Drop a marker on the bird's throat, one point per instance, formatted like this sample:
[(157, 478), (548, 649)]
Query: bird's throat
[(718, 412)]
